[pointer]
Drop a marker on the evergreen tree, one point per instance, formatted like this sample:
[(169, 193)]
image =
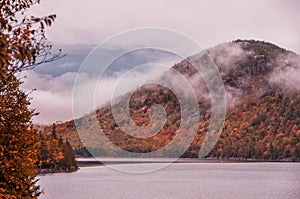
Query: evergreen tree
[(68, 163)]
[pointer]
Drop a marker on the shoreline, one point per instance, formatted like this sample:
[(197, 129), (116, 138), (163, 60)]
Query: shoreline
[(94, 162), (48, 171)]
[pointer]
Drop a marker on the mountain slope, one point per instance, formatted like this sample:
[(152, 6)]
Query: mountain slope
[(263, 108)]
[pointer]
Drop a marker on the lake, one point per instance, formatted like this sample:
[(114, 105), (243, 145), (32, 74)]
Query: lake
[(180, 180)]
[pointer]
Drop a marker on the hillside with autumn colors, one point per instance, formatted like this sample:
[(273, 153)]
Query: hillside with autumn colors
[(263, 109)]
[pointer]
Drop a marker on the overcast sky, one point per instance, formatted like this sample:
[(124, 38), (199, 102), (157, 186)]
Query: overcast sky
[(80, 25)]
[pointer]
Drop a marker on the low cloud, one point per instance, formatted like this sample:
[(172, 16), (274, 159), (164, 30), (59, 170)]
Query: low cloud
[(226, 55), (287, 74), (53, 95)]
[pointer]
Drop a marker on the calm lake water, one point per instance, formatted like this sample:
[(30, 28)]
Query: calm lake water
[(180, 180)]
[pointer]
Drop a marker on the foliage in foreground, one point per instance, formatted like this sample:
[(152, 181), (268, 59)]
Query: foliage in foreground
[(23, 45), (18, 143)]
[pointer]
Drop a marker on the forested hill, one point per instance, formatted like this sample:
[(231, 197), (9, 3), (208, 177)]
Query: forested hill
[(263, 107)]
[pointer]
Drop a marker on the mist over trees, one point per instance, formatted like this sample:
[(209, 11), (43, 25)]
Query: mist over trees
[(262, 121)]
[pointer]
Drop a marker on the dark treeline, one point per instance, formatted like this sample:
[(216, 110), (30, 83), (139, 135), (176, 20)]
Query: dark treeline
[(55, 154)]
